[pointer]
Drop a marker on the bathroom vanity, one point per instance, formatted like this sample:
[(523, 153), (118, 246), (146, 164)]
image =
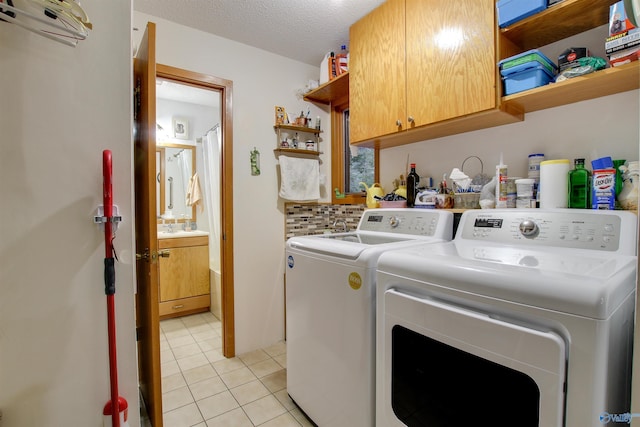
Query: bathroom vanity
[(184, 273)]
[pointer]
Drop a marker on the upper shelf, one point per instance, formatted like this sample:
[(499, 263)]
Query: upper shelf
[(330, 91), (298, 128), (600, 83), (562, 20), (287, 151)]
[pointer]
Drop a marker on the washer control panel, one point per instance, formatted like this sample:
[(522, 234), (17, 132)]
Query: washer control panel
[(414, 222), (598, 230)]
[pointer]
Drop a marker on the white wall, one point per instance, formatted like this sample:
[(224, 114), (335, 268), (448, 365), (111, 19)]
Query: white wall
[(60, 107), (200, 117), (261, 80)]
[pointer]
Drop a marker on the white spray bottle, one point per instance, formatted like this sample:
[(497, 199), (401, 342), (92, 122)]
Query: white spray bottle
[(501, 184)]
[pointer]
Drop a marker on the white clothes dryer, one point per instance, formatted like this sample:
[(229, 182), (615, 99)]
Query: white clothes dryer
[(524, 319), (330, 308)]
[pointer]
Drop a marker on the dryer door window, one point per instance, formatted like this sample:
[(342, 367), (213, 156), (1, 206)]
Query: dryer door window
[(449, 366), (434, 384)]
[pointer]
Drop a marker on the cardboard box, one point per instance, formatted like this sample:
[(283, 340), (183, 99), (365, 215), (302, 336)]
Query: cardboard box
[(625, 56), (622, 41), (618, 19), (603, 195), (569, 58), (332, 66), (324, 68)]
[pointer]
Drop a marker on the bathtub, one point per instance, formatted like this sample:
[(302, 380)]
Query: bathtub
[(215, 288)]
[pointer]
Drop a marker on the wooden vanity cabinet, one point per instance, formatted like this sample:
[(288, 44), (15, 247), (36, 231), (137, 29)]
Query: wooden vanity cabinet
[(415, 63), (184, 276)]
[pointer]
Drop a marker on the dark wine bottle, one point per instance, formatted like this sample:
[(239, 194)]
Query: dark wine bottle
[(413, 181)]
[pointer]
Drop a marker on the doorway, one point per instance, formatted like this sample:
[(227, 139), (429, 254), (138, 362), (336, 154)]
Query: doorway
[(220, 126), (145, 73)]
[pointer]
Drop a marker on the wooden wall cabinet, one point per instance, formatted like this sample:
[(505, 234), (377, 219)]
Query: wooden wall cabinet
[(377, 81), (415, 63), (410, 81), (184, 276)]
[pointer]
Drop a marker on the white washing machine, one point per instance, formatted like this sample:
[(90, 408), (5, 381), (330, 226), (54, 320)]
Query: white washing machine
[(524, 319), (330, 307)]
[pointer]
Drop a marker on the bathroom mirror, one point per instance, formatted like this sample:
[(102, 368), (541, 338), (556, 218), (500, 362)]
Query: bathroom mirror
[(175, 167)]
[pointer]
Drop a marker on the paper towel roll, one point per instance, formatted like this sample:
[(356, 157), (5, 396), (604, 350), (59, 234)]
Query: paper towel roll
[(554, 183)]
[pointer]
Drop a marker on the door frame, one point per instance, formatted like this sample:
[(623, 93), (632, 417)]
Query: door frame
[(225, 88)]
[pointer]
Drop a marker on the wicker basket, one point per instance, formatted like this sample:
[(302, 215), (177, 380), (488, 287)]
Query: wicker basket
[(466, 200)]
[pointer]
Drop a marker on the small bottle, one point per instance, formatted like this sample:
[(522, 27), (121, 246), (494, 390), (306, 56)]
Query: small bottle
[(333, 70), (343, 60), (413, 179), (579, 186), (501, 184), (443, 185), (318, 123)]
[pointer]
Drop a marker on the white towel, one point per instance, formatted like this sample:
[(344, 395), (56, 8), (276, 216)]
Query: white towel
[(194, 195), (299, 178)]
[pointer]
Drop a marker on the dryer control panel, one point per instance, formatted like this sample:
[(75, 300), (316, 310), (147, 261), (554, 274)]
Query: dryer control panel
[(410, 222), (568, 228)]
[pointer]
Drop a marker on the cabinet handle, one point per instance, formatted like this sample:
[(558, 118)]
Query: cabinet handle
[(177, 307), (164, 253), (410, 119), (398, 123)]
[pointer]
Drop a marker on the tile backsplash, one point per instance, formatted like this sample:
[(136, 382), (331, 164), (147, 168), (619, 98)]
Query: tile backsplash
[(305, 219)]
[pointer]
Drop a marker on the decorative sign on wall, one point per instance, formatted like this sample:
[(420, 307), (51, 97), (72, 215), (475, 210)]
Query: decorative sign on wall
[(255, 162)]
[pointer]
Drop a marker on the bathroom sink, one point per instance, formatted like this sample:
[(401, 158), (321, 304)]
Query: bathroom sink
[(181, 233)]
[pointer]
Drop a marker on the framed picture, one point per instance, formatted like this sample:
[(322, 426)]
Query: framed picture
[(280, 115), (180, 128)]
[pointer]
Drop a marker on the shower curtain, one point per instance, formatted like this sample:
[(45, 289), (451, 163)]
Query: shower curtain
[(212, 147)]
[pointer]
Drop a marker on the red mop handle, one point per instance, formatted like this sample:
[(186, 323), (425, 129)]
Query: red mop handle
[(109, 284), (107, 192)]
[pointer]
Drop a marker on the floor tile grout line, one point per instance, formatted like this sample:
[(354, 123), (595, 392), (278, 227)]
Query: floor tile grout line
[(189, 385), (270, 357), (225, 385)]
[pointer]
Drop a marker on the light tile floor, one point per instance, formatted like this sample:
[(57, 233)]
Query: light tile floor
[(202, 388)]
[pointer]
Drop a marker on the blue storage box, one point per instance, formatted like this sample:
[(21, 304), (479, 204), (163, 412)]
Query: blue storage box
[(527, 79), (510, 11), (526, 70), (526, 60)]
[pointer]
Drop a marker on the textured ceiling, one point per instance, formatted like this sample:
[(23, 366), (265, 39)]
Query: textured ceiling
[(304, 30)]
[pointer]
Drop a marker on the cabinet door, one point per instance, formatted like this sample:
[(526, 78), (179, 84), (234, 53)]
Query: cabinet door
[(185, 273), (451, 60), (376, 72)]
